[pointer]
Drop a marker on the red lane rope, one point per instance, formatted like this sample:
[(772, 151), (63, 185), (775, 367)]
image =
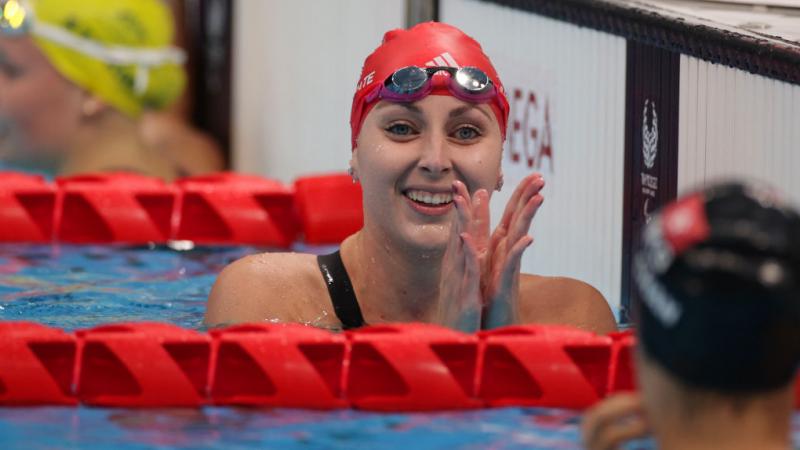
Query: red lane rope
[(398, 367), (223, 208)]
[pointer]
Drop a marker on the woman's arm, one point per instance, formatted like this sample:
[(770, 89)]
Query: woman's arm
[(566, 301), (268, 286)]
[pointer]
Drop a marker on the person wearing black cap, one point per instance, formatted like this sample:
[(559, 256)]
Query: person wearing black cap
[(718, 326)]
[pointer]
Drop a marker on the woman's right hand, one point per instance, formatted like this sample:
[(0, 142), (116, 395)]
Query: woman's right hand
[(460, 299), (613, 421)]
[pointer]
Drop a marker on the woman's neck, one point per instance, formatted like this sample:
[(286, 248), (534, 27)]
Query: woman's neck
[(392, 282), (762, 424), (112, 142)]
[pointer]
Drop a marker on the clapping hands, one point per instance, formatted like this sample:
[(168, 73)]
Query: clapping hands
[(481, 271)]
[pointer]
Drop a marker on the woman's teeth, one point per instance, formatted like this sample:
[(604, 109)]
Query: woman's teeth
[(429, 197)]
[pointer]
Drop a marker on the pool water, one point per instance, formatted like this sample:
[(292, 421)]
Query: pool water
[(74, 287), (232, 428)]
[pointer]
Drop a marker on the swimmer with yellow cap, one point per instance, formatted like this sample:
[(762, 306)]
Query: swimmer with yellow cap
[(76, 79)]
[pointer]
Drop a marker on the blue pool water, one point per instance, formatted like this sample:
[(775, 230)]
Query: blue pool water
[(75, 287)]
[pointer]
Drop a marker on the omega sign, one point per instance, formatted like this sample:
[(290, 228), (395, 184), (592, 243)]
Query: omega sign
[(649, 152), (530, 139)]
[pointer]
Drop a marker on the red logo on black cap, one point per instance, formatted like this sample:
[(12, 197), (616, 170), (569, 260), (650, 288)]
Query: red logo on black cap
[(684, 223)]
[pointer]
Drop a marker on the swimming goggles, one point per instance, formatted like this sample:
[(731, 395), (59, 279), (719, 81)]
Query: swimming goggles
[(17, 18), (412, 83)]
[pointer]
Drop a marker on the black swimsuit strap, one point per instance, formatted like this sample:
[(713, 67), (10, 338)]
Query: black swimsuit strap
[(343, 297)]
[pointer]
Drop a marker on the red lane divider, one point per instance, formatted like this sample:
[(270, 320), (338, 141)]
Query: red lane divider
[(622, 374), (27, 208), (231, 208), (222, 208), (393, 367), (36, 365), (116, 207), (278, 365), (403, 367), (143, 364), (555, 366), (328, 207)]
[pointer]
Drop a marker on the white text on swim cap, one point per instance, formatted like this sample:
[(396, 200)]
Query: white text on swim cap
[(368, 78), (659, 302)]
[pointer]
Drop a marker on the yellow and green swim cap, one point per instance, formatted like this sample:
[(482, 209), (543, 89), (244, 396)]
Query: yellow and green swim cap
[(118, 50)]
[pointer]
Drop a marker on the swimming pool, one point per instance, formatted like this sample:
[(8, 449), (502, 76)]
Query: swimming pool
[(74, 287)]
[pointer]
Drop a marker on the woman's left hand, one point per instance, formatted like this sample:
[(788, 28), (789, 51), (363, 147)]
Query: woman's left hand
[(503, 254)]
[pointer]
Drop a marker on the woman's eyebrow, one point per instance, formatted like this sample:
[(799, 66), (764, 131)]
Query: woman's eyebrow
[(463, 109), (409, 106)]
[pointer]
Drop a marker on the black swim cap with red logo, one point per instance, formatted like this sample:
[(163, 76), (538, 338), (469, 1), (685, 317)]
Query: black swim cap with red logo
[(719, 277)]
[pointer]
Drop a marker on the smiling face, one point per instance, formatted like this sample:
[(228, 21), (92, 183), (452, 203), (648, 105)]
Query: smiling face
[(408, 156), (39, 109)]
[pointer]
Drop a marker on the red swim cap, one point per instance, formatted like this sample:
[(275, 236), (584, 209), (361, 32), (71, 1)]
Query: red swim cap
[(426, 44)]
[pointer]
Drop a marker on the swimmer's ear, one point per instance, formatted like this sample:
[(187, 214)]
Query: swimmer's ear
[(92, 106), (353, 169)]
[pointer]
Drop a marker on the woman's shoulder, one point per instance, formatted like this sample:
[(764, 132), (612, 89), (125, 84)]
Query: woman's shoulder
[(564, 300), (266, 286)]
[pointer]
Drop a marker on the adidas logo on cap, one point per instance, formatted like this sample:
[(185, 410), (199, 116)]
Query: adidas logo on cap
[(444, 60)]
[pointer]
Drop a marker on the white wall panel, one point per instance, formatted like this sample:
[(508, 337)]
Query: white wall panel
[(737, 125), (296, 66), (580, 75)]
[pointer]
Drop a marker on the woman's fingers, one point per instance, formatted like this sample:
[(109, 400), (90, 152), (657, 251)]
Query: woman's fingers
[(463, 210), (515, 254), (471, 266), (460, 188), (614, 435), (521, 224), (479, 227), (513, 202), (528, 188), (512, 263), (613, 421)]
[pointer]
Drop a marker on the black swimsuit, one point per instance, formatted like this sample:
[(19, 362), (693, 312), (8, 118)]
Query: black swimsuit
[(341, 290)]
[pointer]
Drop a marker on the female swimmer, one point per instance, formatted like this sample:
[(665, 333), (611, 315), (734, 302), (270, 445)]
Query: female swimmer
[(79, 86), (428, 123)]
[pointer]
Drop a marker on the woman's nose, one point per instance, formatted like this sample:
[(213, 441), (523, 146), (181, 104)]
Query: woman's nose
[(435, 157)]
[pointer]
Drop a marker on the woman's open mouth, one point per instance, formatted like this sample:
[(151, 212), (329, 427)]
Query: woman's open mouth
[(429, 203)]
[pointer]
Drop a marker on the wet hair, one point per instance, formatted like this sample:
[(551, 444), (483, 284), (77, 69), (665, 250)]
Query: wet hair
[(719, 276)]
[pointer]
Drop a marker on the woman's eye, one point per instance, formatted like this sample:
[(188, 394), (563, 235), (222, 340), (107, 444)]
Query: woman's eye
[(400, 129), (466, 133), (9, 70)]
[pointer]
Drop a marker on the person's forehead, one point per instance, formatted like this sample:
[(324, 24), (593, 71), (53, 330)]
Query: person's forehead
[(20, 49), (436, 104)]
